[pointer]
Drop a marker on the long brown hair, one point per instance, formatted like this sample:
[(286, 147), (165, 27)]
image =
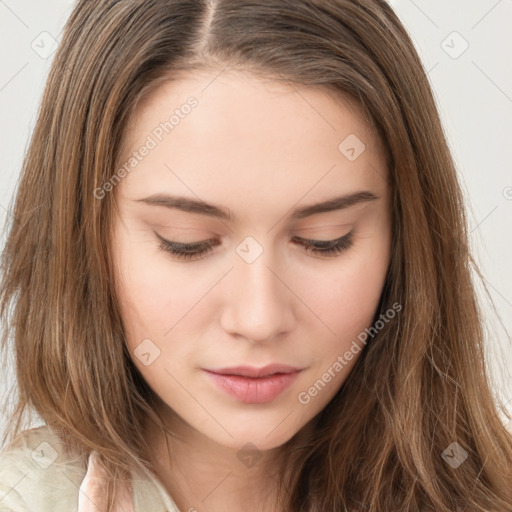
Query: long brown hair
[(420, 384)]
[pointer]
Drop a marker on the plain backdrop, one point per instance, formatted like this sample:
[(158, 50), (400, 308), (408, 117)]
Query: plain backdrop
[(466, 47)]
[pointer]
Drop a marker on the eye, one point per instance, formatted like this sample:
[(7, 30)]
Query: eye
[(186, 251), (197, 249), (327, 247)]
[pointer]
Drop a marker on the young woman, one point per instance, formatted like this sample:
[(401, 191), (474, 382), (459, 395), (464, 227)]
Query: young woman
[(237, 274)]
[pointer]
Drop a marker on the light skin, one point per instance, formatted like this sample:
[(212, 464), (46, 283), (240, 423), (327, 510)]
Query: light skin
[(258, 150)]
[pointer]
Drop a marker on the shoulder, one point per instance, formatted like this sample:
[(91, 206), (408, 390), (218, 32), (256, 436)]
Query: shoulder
[(38, 473)]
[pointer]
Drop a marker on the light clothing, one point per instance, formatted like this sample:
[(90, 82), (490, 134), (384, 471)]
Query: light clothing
[(36, 476)]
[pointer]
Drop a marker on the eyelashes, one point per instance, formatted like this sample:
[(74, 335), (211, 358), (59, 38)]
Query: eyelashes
[(196, 250), (186, 251)]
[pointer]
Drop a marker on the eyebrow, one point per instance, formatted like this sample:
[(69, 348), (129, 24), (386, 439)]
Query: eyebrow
[(190, 205)]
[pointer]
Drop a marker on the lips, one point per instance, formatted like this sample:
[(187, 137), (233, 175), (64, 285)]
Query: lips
[(252, 385), (251, 371)]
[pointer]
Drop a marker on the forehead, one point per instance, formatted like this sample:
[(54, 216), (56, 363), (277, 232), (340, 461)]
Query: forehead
[(250, 140)]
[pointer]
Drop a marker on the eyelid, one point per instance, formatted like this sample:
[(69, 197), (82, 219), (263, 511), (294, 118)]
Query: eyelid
[(316, 228), (323, 243), (187, 245)]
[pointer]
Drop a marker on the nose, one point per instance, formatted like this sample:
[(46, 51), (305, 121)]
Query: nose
[(258, 303)]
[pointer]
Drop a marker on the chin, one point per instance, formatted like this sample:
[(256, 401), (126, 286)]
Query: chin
[(261, 433)]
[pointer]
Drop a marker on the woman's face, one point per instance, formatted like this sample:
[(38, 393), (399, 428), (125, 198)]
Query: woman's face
[(250, 171)]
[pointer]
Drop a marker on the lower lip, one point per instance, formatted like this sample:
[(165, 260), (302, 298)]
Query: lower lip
[(253, 390)]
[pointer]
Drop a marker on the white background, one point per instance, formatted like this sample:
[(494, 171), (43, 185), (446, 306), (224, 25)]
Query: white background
[(473, 89)]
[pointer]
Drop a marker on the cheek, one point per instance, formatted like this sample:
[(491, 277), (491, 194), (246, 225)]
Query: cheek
[(347, 303), (151, 297), (346, 297)]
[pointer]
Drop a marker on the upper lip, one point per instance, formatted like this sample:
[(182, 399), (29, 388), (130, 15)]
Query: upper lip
[(252, 371)]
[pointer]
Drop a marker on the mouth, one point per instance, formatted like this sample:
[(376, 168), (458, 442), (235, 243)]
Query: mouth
[(252, 385)]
